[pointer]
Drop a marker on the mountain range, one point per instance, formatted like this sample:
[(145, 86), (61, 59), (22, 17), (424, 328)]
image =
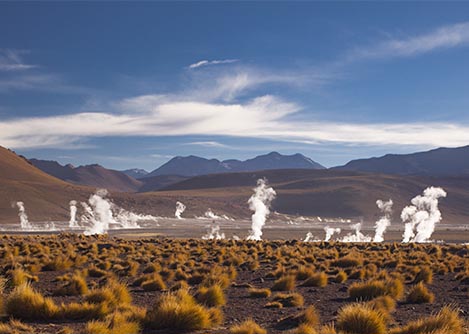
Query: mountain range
[(321, 192), (437, 162), (193, 165)]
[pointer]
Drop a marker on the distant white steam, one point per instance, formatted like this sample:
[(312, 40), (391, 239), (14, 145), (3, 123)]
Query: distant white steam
[(209, 214), (382, 224), (421, 217), (24, 222), (358, 236), (260, 203), (100, 213), (310, 238), (73, 214), (214, 234), (180, 208), (330, 231)]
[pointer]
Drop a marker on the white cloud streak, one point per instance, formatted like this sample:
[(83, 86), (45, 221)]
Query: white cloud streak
[(262, 117), (211, 62), (444, 37), (11, 60), (210, 144)]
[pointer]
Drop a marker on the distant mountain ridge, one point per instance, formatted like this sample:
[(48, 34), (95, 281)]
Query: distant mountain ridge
[(136, 173), (437, 162), (195, 166), (89, 175)]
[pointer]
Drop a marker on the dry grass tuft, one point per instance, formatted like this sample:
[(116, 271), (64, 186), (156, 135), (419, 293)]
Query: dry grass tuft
[(360, 319), (419, 294), (248, 327)]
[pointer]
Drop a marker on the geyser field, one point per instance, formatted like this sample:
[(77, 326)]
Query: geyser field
[(110, 270)]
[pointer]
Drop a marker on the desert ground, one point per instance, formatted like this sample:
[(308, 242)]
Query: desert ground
[(159, 281)]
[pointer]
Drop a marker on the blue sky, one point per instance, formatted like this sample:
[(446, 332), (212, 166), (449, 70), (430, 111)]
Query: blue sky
[(133, 84)]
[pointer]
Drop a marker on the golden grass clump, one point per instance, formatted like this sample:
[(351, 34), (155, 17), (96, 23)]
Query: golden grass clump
[(285, 283), (360, 319), (424, 275), (316, 280), (115, 323), (419, 294), (309, 318), (211, 296), (289, 299), (154, 283), (341, 277), (76, 286), (26, 304), (376, 288), (179, 311), (248, 327), (447, 321), (15, 327), (20, 277), (259, 293)]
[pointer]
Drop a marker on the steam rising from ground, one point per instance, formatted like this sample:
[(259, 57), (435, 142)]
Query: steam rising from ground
[(73, 215), (180, 208), (330, 231), (214, 234), (24, 222), (382, 224), (358, 236), (260, 203), (101, 213), (421, 217)]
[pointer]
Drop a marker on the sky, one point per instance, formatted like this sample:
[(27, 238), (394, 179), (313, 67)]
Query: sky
[(132, 84)]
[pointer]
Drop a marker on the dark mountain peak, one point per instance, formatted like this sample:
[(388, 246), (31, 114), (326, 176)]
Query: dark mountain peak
[(193, 165)]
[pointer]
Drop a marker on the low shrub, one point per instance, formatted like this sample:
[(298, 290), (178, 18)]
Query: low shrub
[(289, 299), (211, 296), (259, 293), (248, 327), (360, 319), (285, 283), (26, 304), (419, 294), (316, 280)]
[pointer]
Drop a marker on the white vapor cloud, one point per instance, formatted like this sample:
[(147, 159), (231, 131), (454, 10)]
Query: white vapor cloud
[(11, 60), (207, 144), (262, 117), (212, 62), (444, 37)]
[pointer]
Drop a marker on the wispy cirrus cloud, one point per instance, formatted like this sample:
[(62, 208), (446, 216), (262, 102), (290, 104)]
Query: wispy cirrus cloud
[(11, 60), (210, 144), (444, 37), (203, 63)]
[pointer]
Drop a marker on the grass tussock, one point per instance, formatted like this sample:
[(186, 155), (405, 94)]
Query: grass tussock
[(316, 280), (447, 321), (419, 294), (116, 323), (285, 283), (376, 288), (248, 327), (27, 304), (289, 299), (211, 296), (179, 311), (360, 319), (259, 293)]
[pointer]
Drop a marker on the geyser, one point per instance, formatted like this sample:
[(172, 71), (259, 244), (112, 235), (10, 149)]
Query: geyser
[(421, 217), (382, 224), (214, 234), (260, 203), (358, 236), (73, 215), (330, 231), (24, 222), (180, 208)]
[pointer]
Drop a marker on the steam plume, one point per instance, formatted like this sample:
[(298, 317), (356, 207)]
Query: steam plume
[(422, 216), (209, 214), (24, 222), (101, 214), (330, 231), (310, 237), (73, 214), (358, 236), (180, 208), (214, 233), (382, 224), (260, 204)]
